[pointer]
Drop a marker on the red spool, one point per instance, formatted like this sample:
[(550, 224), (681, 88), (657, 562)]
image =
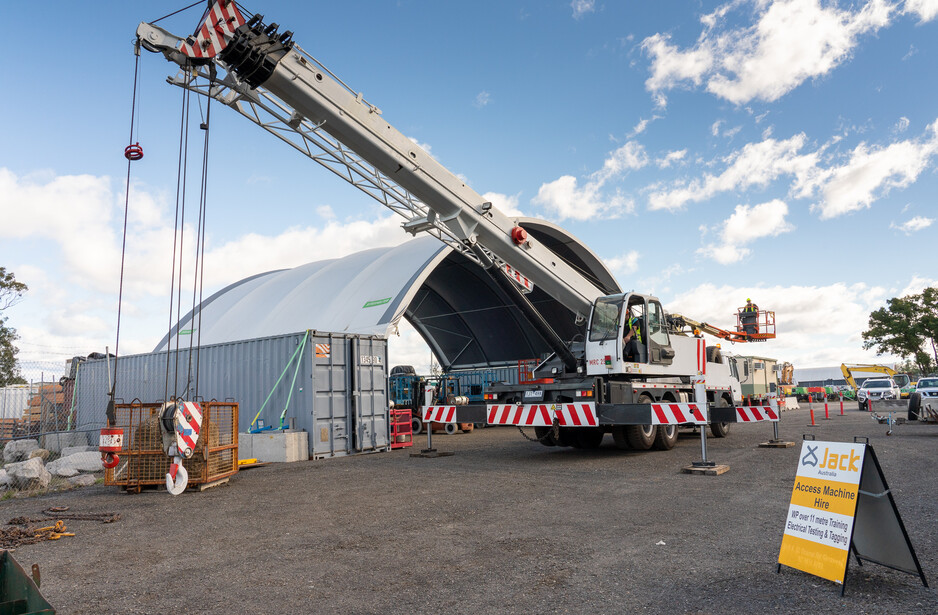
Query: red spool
[(519, 235), (133, 152), (111, 440)]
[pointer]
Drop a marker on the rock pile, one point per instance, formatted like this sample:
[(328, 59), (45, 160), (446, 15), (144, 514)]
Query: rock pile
[(25, 466)]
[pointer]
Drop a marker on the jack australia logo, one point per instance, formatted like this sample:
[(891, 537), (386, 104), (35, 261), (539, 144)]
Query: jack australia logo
[(811, 458)]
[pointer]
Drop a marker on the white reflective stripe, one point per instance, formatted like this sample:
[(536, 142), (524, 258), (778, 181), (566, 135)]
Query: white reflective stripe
[(580, 414), (439, 414), (677, 414), (756, 414)]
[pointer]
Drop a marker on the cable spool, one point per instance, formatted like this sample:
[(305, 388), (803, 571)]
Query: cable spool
[(133, 152)]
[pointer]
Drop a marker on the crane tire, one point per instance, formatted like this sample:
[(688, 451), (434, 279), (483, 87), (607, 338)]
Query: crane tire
[(665, 437), (416, 426), (589, 437), (641, 437), (567, 437), (545, 436), (620, 437), (719, 430)]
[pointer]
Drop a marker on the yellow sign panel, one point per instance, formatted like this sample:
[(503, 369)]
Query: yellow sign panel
[(823, 505)]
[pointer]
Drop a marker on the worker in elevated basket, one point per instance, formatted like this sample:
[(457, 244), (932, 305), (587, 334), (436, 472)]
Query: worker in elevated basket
[(750, 317)]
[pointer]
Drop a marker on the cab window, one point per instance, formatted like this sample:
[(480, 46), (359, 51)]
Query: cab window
[(605, 321), (657, 331)]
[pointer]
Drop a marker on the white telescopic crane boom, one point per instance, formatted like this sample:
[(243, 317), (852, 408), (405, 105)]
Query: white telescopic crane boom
[(284, 90)]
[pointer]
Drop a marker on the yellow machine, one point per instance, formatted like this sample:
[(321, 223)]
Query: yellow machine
[(901, 380)]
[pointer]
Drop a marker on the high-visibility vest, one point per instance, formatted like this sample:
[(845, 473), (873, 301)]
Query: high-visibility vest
[(751, 307), (638, 330)]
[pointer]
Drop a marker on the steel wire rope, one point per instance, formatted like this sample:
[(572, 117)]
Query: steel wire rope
[(180, 198), (110, 413), (179, 11), (199, 277)]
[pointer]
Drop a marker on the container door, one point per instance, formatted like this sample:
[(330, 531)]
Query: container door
[(331, 408), (369, 394)]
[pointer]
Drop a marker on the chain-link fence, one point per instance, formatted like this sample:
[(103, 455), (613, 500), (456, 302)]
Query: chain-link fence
[(46, 408)]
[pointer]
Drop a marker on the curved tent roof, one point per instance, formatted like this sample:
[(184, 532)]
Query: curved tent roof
[(464, 317)]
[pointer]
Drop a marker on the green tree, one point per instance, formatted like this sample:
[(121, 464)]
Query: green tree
[(11, 293), (906, 327)]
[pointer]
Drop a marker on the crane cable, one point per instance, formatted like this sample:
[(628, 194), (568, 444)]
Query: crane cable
[(176, 284), (178, 236), (199, 277), (132, 153)]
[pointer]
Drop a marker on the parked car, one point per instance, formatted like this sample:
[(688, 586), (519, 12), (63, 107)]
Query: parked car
[(926, 394), (877, 388)]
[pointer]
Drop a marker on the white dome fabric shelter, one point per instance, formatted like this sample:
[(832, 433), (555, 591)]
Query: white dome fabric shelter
[(459, 311)]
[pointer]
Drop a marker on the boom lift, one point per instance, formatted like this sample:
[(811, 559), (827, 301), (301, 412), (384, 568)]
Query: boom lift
[(588, 386)]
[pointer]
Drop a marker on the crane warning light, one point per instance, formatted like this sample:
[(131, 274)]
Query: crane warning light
[(519, 235)]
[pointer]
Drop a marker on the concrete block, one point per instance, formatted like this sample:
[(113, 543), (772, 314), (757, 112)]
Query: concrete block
[(245, 446), (55, 442), (280, 446)]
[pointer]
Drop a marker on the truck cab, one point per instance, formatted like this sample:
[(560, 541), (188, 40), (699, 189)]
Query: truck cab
[(649, 351)]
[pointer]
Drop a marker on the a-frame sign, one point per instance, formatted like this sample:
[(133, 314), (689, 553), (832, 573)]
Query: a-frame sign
[(840, 504)]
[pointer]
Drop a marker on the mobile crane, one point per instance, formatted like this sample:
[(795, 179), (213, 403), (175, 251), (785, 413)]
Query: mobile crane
[(586, 387)]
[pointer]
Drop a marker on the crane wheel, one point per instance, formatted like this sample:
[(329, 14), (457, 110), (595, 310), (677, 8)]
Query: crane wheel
[(720, 430), (665, 437), (589, 437), (545, 436), (416, 426)]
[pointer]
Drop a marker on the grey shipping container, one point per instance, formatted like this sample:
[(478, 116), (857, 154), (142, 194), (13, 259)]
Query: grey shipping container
[(335, 387)]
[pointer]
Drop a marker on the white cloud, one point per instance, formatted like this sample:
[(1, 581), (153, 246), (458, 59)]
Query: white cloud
[(582, 7), (643, 125), (623, 264), (482, 99), (870, 173), (913, 225), (816, 326), (715, 128), (567, 199), (925, 9), (670, 158), (902, 125), (746, 225), (756, 164), (791, 41)]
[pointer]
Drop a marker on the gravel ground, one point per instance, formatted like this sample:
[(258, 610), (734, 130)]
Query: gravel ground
[(504, 526)]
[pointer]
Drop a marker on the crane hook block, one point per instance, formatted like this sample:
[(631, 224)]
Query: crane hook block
[(133, 152), (519, 235)]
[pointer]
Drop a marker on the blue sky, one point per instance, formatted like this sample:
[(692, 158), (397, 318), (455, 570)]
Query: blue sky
[(706, 151)]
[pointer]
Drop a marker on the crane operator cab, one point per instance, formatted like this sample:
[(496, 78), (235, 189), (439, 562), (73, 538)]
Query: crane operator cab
[(628, 333)]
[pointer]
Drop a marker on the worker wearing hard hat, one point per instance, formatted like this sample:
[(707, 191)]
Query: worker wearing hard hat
[(749, 318)]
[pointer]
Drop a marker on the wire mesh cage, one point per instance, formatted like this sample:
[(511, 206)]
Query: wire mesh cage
[(143, 461)]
